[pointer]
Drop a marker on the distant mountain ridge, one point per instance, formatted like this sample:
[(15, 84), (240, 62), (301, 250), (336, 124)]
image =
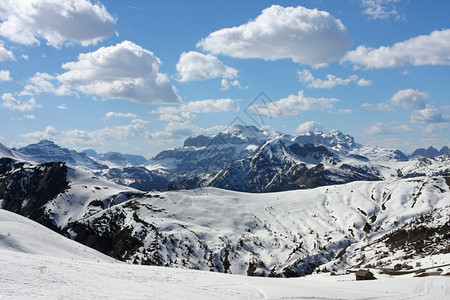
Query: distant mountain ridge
[(247, 158), (430, 152)]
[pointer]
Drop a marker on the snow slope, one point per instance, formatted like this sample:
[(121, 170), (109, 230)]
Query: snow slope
[(37, 263), (22, 235), (27, 276)]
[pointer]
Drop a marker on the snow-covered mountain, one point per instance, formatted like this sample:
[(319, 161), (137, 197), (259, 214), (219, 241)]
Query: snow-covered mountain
[(282, 164), (48, 151), (208, 155), (37, 263), (245, 158), (430, 152), (114, 159), (274, 234)]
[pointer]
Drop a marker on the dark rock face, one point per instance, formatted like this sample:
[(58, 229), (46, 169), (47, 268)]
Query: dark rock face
[(25, 190)]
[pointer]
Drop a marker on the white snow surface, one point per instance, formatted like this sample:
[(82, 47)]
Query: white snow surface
[(20, 234), (37, 263)]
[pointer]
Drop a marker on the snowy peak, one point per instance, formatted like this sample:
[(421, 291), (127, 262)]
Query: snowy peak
[(117, 158), (334, 139), (48, 151)]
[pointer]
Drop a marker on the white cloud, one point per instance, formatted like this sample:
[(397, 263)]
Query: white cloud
[(364, 82), (379, 106), (176, 128), (310, 126), (30, 117), (49, 133), (136, 121), (5, 54), (81, 138), (381, 9), (62, 106), (5, 75), (10, 102), (55, 21), (429, 114), (293, 105), (410, 99), (24, 56), (123, 71), (437, 127), (112, 114), (305, 76), (387, 129), (226, 84), (195, 66), (307, 36), (45, 83), (201, 106), (432, 49)]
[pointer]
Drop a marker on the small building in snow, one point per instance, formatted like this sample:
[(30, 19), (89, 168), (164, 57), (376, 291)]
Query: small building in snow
[(364, 275)]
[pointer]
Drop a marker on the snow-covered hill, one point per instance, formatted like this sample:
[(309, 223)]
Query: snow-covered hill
[(23, 235), (278, 234), (37, 263), (26, 276)]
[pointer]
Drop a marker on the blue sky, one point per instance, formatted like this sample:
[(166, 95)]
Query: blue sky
[(140, 76)]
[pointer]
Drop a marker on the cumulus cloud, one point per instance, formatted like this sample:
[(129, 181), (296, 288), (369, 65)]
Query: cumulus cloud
[(387, 129), (226, 84), (429, 114), (112, 114), (80, 138), (5, 75), (195, 66), (48, 133), (378, 106), (201, 106), (176, 128), (432, 49), (179, 128), (310, 126), (45, 83), (293, 105), (5, 54), (410, 99), (437, 127), (381, 9), (62, 106), (123, 71), (307, 36), (10, 102), (55, 21), (305, 76)]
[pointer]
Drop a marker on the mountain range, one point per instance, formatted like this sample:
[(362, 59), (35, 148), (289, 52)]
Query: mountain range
[(244, 158), (332, 204)]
